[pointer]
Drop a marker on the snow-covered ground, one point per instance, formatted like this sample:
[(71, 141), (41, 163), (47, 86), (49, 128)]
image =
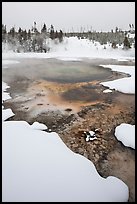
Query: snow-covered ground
[(37, 166)]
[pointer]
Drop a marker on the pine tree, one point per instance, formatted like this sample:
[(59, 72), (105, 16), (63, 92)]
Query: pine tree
[(29, 34), (12, 32), (44, 29), (4, 32), (52, 32), (116, 29), (126, 43), (4, 29), (114, 45), (60, 36), (20, 35)]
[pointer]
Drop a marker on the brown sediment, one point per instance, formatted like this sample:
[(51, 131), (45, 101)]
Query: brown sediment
[(58, 96)]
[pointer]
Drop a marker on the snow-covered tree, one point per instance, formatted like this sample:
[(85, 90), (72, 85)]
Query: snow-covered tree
[(126, 43)]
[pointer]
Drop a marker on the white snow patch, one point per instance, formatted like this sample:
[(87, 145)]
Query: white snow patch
[(121, 68), (5, 95), (38, 126), (91, 136), (7, 113), (92, 133), (126, 134), (107, 91), (123, 60), (124, 85), (131, 35), (4, 86)]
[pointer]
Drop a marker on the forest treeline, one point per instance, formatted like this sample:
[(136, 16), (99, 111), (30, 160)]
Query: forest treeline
[(32, 40)]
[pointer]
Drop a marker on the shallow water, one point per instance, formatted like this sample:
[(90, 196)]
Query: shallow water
[(76, 74), (56, 71)]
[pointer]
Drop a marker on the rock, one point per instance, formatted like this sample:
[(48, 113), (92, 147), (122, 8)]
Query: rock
[(96, 157), (75, 145), (68, 109)]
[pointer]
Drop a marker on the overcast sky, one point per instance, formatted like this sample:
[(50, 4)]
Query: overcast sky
[(67, 15)]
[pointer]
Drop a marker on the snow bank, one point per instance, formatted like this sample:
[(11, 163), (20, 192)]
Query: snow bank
[(121, 68), (38, 167), (124, 85), (126, 134)]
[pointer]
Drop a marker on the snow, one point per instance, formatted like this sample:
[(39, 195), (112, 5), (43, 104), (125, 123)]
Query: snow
[(5, 95), (124, 85), (38, 126), (123, 60), (90, 136), (131, 35), (73, 48), (92, 133), (69, 58), (5, 62), (107, 91), (121, 68), (38, 167), (126, 134), (7, 113)]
